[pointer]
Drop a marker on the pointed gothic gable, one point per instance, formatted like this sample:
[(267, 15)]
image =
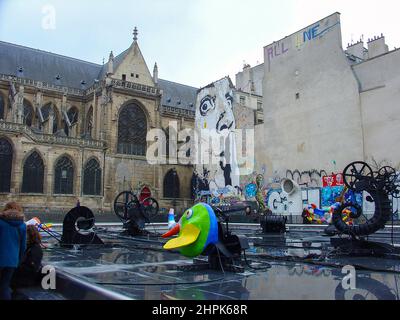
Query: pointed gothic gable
[(134, 67)]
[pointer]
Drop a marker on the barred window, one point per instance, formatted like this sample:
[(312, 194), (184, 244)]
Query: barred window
[(92, 178), (2, 113), (64, 176), (171, 184), (6, 155), (132, 130), (28, 113), (33, 176)]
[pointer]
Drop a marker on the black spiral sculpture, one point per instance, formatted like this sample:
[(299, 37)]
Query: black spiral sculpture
[(358, 177), (77, 228)]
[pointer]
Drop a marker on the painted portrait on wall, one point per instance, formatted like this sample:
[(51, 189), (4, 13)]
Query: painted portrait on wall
[(215, 118)]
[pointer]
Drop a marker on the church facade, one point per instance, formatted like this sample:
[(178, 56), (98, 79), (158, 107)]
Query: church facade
[(71, 129)]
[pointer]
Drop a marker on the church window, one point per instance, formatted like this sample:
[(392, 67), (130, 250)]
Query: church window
[(64, 176), (171, 185), (132, 130), (6, 157), (33, 175), (92, 178)]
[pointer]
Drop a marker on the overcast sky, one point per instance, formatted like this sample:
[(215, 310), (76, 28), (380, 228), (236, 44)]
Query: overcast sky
[(193, 41)]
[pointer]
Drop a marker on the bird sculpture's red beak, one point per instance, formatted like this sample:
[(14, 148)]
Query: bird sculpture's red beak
[(175, 230)]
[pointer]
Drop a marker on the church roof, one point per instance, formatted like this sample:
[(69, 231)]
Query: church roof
[(46, 66), (177, 95)]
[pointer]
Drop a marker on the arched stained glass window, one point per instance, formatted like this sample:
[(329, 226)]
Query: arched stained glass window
[(64, 176), (6, 156), (171, 184), (28, 113), (2, 109), (92, 178), (33, 176), (132, 130)]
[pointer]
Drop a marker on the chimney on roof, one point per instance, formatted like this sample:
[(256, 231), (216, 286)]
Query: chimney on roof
[(155, 73), (356, 49), (377, 46), (110, 69)]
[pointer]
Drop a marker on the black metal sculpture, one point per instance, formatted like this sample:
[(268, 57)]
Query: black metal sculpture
[(134, 213), (77, 228), (359, 177)]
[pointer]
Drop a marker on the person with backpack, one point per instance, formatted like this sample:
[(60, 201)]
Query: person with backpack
[(12, 245)]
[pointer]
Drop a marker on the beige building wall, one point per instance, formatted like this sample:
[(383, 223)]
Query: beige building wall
[(379, 80), (311, 103)]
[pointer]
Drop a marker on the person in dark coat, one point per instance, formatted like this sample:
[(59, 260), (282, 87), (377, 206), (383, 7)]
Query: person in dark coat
[(29, 272), (12, 245)]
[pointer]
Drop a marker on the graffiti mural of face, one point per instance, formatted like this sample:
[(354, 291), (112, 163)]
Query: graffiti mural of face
[(214, 114), (215, 108)]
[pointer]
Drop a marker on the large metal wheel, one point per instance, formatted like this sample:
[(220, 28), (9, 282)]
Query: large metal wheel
[(388, 180), (123, 202), (356, 172), (150, 208)]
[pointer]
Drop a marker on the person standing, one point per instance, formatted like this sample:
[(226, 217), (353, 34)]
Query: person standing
[(12, 245)]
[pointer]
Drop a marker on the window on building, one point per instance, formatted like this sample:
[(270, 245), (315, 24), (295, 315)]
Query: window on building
[(259, 105), (6, 157), (72, 115), (137, 76), (92, 178), (242, 100), (297, 96), (89, 122), (64, 176), (124, 77), (132, 75), (28, 113), (33, 175), (47, 110), (171, 185), (132, 130), (2, 109)]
